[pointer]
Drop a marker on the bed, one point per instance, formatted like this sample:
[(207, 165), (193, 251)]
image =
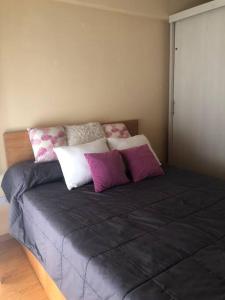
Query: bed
[(159, 239)]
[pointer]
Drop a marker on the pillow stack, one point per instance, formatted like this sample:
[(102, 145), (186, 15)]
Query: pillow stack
[(73, 163), (85, 154), (109, 169), (43, 140), (134, 141)]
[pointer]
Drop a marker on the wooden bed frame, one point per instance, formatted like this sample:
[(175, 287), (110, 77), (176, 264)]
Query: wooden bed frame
[(18, 148)]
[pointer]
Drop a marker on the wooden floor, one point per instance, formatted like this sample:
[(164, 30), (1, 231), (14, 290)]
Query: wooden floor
[(17, 279)]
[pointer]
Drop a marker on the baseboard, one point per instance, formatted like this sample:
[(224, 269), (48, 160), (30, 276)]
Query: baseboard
[(5, 237)]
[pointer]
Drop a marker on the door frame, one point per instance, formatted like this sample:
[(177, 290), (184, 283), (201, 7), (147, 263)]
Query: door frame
[(171, 91)]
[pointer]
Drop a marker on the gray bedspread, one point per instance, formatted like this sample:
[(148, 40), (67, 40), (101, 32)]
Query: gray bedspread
[(160, 239)]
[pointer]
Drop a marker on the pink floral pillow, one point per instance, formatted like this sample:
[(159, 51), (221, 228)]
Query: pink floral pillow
[(43, 140), (116, 130)]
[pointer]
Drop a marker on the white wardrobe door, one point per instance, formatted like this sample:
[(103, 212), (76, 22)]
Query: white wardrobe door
[(199, 93)]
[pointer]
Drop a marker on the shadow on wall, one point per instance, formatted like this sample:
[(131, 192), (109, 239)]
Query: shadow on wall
[(187, 154), (179, 5)]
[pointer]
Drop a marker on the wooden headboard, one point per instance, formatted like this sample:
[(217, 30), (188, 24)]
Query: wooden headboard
[(18, 147)]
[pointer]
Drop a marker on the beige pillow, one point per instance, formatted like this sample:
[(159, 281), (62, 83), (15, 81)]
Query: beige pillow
[(85, 133), (133, 141)]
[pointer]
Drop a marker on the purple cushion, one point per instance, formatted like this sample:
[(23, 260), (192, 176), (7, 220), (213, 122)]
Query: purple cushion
[(107, 169), (141, 163)]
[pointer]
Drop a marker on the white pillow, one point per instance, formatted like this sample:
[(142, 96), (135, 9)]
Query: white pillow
[(74, 166), (134, 141), (85, 133)]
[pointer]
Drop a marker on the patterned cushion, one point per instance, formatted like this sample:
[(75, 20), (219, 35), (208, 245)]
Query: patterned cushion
[(43, 140), (116, 130), (82, 134)]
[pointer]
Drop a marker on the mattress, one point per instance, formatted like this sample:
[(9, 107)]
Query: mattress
[(159, 239)]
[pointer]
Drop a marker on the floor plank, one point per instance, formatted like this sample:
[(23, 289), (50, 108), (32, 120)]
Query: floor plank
[(17, 279)]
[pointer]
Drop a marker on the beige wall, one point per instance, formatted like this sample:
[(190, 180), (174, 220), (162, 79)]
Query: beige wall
[(4, 213), (150, 8), (67, 63), (85, 60)]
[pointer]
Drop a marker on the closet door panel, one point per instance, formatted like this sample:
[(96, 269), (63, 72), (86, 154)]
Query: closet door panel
[(199, 93)]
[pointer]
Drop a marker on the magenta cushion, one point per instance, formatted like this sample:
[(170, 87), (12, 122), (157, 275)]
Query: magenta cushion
[(141, 163), (107, 169)]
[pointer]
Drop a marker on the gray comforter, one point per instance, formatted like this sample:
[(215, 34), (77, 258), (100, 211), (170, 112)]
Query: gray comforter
[(160, 239)]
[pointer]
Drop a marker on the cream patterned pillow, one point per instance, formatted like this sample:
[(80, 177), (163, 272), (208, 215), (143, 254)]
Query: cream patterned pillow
[(43, 140), (82, 134)]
